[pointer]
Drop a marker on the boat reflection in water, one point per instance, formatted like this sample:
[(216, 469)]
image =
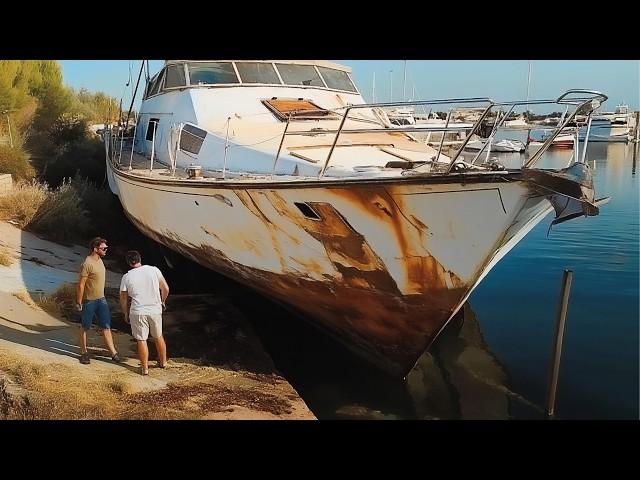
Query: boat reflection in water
[(459, 377)]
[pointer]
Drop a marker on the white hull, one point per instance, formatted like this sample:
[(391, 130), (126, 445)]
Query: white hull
[(285, 180), (384, 265)]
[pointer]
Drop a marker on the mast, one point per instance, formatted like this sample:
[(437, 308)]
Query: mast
[(404, 83), (373, 89), (528, 87)]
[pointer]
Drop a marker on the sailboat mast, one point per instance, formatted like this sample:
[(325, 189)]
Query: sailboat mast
[(528, 83), (404, 83), (528, 88), (373, 89)]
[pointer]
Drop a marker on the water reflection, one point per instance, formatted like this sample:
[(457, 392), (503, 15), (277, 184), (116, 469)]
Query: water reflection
[(461, 378), (457, 378)]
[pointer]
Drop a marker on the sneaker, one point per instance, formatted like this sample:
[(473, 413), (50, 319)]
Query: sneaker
[(116, 358), (85, 359), (143, 371), (163, 365)]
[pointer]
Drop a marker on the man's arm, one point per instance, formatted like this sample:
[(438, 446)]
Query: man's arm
[(80, 291), (164, 290), (124, 304)]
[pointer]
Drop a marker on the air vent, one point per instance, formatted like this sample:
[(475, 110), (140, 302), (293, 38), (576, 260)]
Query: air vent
[(191, 139)]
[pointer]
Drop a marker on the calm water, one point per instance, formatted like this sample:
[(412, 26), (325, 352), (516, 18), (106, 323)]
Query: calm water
[(495, 364)]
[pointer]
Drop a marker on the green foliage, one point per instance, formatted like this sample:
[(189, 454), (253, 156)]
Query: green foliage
[(102, 208), (95, 107), (61, 216), (84, 156), (15, 161), (67, 129)]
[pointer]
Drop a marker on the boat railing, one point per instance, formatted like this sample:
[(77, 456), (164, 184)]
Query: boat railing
[(584, 102)]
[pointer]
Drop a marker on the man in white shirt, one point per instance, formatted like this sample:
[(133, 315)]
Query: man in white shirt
[(148, 291)]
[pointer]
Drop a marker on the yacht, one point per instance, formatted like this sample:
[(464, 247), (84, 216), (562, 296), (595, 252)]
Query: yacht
[(279, 175)]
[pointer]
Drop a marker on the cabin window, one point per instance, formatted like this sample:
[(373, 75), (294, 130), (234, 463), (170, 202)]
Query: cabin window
[(257, 72), (337, 79), (191, 139), (299, 75), (298, 109), (150, 85), (209, 73), (151, 127), (156, 85), (175, 77)]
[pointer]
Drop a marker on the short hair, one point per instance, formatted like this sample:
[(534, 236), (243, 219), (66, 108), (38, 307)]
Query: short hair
[(95, 243), (133, 257)]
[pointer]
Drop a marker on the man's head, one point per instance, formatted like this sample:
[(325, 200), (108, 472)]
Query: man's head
[(133, 258), (99, 245)]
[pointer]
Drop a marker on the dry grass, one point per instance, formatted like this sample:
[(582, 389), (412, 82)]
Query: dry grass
[(23, 202), (26, 298), (6, 259), (58, 214), (55, 304), (55, 392)]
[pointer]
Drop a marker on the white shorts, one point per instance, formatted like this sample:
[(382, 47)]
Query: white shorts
[(142, 324)]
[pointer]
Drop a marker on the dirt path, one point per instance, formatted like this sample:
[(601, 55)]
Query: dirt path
[(217, 370)]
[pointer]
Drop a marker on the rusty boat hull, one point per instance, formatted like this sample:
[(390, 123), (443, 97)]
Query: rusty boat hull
[(382, 265), (279, 175)]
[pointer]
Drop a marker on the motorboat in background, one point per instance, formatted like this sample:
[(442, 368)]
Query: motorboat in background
[(277, 174), (496, 146), (611, 126)]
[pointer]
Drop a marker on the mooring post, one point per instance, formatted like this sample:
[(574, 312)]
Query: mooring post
[(557, 344)]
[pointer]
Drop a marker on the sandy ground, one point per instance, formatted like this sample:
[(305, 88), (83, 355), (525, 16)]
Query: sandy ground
[(217, 370)]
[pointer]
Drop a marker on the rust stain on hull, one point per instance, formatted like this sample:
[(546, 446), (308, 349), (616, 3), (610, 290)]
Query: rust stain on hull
[(365, 310)]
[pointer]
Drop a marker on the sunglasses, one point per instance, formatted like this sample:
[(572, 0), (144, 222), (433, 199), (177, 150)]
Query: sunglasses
[(102, 248)]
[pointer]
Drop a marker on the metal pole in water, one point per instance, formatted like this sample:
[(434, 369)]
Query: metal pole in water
[(636, 145), (557, 344)]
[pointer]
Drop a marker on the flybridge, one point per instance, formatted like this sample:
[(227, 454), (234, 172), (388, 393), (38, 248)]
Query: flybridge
[(180, 75)]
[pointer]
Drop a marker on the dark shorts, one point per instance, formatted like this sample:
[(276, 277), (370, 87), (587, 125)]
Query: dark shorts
[(98, 307)]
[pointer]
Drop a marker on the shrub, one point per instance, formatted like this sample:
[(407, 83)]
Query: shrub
[(22, 202), (16, 162), (61, 216), (85, 157)]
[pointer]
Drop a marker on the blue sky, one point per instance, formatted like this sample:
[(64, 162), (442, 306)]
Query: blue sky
[(498, 79)]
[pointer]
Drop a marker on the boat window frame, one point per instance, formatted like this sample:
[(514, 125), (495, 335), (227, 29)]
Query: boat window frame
[(159, 82), (184, 73), (233, 67), (240, 82), (355, 89), (272, 64), (301, 65)]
